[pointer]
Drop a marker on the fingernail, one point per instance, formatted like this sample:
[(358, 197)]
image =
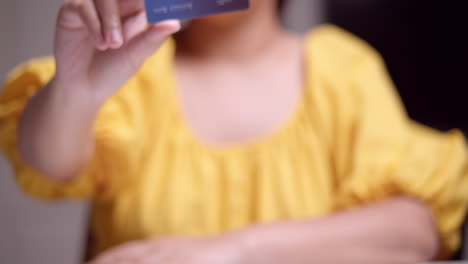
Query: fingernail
[(173, 25), (115, 38), (167, 26)]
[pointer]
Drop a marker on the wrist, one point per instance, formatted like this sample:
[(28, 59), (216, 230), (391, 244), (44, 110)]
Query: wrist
[(73, 96)]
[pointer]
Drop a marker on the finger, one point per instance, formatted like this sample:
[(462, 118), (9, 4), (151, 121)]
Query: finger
[(131, 7), (69, 16), (72, 38), (134, 25), (90, 16), (109, 13), (145, 44)]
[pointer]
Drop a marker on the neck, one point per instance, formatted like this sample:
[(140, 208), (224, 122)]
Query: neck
[(249, 36)]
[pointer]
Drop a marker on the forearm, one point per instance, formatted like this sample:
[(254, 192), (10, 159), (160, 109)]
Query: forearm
[(400, 230), (56, 132)]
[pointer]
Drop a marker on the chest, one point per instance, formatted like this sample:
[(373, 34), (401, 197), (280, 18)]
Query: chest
[(223, 104), (195, 193)]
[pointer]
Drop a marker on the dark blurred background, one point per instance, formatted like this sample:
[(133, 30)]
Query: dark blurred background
[(422, 42), (425, 46)]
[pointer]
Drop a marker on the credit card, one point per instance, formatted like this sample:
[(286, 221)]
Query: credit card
[(159, 10)]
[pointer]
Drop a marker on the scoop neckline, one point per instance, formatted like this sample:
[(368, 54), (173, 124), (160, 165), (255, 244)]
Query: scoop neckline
[(247, 145)]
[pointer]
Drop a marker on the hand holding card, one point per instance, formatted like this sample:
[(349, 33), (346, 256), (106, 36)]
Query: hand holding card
[(159, 10), (100, 44)]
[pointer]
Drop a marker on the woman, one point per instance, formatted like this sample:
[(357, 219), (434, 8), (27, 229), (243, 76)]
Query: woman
[(233, 142)]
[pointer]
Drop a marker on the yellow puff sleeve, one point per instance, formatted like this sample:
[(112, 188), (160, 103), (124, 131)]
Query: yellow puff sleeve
[(113, 159), (380, 153)]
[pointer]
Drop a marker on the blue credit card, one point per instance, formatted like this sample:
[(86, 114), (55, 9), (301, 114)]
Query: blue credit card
[(159, 10)]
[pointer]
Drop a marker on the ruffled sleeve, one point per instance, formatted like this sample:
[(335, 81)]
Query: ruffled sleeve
[(380, 153), (117, 146)]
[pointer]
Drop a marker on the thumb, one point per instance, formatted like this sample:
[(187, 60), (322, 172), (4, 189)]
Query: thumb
[(149, 41)]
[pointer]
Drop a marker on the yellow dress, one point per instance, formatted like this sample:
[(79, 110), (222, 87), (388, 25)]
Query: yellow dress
[(348, 143)]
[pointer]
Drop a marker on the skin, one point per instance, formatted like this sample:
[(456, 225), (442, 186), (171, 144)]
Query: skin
[(369, 234), (106, 41)]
